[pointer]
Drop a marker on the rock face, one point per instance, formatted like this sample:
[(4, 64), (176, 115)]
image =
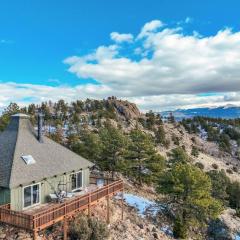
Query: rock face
[(11, 233), (8, 232), (126, 109)]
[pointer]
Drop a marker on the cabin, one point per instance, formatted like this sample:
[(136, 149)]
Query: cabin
[(43, 182), (34, 166)]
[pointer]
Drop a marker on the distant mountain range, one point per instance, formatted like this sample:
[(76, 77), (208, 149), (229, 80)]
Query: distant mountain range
[(219, 112)]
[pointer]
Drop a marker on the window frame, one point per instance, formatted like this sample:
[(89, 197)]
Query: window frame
[(32, 204), (80, 188)]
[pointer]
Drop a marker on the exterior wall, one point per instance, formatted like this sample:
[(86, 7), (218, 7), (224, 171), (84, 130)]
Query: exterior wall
[(4, 196), (50, 185)]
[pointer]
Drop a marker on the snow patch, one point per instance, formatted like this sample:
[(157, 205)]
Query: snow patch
[(167, 230), (143, 205)]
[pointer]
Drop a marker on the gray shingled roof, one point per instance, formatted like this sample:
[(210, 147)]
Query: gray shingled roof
[(52, 159)]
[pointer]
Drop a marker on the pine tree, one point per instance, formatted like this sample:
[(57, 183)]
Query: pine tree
[(171, 118), (220, 184), (113, 147), (58, 135), (234, 194), (89, 146), (155, 164), (189, 191), (140, 151), (5, 118), (178, 155), (195, 151), (160, 135)]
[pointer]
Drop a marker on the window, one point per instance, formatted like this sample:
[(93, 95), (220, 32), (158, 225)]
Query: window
[(77, 180), (31, 195), (28, 159)]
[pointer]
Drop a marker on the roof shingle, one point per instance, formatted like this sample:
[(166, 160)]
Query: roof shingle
[(51, 158)]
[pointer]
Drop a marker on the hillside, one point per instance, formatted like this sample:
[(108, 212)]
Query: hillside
[(143, 149)]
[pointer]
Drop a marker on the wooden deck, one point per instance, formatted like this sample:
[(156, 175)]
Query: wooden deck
[(53, 213)]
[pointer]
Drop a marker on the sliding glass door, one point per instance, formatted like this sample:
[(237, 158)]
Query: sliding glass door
[(31, 195), (77, 181)]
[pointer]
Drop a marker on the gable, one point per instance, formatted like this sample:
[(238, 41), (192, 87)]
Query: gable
[(50, 157)]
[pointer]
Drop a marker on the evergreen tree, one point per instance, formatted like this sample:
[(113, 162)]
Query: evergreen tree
[(150, 121), (195, 151), (89, 146), (61, 110), (178, 155), (234, 195), (113, 147), (189, 191), (155, 165), (140, 152), (160, 135), (224, 143), (58, 135), (5, 118), (220, 183), (31, 109), (171, 118), (175, 139)]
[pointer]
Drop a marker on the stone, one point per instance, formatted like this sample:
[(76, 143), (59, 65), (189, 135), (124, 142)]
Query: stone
[(2, 236), (154, 229), (141, 225), (155, 235)]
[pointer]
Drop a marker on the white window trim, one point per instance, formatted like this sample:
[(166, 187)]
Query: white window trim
[(76, 189), (35, 204)]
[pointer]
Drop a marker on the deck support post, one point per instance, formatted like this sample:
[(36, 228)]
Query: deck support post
[(35, 235), (65, 229), (122, 204), (108, 210), (89, 205)]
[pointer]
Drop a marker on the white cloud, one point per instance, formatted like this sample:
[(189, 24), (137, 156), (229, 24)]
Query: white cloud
[(14, 92), (188, 20), (162, 68), (150, 27), (172, 63), (119, 38)]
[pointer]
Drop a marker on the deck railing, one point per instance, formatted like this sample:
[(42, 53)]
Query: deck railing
[(57, 213), (15, 218)]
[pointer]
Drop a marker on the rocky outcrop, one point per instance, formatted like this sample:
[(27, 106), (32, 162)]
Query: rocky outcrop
[(8, 232), (231, 221), (133, 227), (127, 109)]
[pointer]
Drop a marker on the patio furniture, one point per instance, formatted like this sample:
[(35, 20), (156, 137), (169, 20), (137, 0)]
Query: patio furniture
[(53, 197)]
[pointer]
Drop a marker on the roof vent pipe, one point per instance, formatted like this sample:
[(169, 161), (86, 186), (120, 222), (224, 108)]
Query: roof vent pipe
[(40, 124)]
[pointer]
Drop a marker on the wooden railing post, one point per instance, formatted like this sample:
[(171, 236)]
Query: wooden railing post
[(65, 209), (122, 203), (89, 205), (108, 212), (65, 228), (34, 228)]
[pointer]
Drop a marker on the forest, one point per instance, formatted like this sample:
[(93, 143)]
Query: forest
[(121, 143)]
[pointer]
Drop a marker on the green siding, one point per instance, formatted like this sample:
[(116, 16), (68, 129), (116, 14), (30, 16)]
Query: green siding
[(4, 196), (16, 199), (47, 186)]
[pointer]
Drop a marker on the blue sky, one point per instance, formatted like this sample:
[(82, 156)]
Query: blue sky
[(39, 38)]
